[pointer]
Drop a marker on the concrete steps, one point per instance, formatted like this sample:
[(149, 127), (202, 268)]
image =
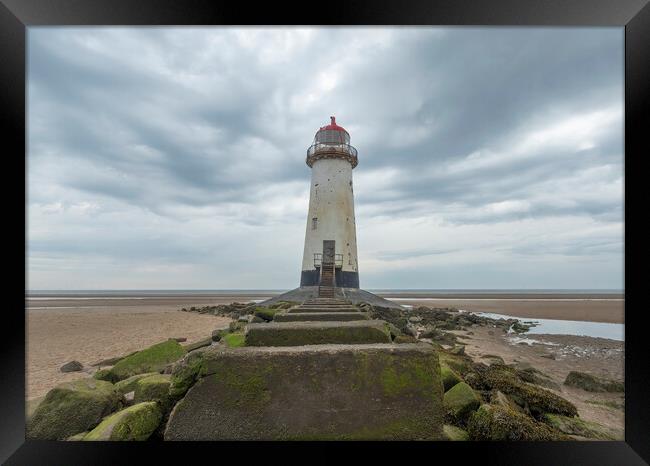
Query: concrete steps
[(303, 310), (317, 333), (320, 316)]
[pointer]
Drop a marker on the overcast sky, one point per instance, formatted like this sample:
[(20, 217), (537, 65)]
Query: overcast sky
[(174, 158)]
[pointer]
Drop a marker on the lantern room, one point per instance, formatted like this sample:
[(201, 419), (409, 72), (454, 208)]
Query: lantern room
[(332, 141)]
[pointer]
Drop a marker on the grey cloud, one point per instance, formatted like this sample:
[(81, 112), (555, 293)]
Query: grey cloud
[(169, 120)]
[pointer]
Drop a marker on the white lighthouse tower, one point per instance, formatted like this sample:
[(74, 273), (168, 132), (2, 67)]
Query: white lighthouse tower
[(330, 255)]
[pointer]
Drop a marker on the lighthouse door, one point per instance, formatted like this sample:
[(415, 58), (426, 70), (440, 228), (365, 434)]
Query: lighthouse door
[(328, 251)]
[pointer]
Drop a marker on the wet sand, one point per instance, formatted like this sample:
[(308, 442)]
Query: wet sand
[(556, 356), (610, 310)]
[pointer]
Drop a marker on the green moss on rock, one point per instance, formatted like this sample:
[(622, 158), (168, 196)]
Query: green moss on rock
[(497, 423), (460, 363), (449, 377), (506, 380), (185, 373), (234, 340), (580, 427), (591, 383), (265, 314), (454, 434), (460, 401), (72, 407), (77, 437), (153, 388), (137, 422), (128, 385), (152, 359)]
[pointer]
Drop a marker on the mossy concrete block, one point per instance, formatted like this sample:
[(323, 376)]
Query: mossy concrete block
[(153, 388), (234, 340), (152, 359), (449, 377), (461, 400), (320, 392), (128, 385), (72, 407), (579, 427), (136, 422), (320, 316), (317, 333), (454, 434), (497, 423)]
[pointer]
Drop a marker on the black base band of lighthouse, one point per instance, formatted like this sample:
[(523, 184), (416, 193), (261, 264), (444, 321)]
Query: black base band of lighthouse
[(343, 279)]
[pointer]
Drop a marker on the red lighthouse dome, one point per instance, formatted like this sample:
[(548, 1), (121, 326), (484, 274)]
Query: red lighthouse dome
[(332, 141), (333, 125), (332, 134)]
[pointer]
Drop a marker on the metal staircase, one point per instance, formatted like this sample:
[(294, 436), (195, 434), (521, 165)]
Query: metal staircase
[(327, 280)]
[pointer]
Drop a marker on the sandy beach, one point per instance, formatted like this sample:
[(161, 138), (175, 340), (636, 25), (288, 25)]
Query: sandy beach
[(89, 334)]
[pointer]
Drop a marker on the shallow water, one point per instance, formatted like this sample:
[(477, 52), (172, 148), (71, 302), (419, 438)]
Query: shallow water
[(567, 327)]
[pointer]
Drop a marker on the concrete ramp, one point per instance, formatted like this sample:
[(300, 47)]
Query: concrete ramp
[(321, 392)]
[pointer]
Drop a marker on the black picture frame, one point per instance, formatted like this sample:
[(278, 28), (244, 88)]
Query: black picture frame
[(17, 15)]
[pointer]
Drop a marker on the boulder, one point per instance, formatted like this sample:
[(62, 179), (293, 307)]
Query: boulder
[(498, 398), (77, 437), (179, 339), (153, 388), (31, 405), (534, 376), (460, 401), (186, 372), (152, 359), (405, 339), (72, 366), (128, 385), (579, 427), (506, 380), (493, 359), (136, 422), (449, 377), (592, 383), (497, 423), (198, 344), (458, 350), (72, 407), (266, 314), (454, 434), (218, 334)]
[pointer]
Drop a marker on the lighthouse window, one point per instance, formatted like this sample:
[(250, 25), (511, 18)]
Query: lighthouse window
[(314, 223)]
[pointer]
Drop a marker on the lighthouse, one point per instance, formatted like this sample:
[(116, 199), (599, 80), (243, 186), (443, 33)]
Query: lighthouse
[(330, 254)]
